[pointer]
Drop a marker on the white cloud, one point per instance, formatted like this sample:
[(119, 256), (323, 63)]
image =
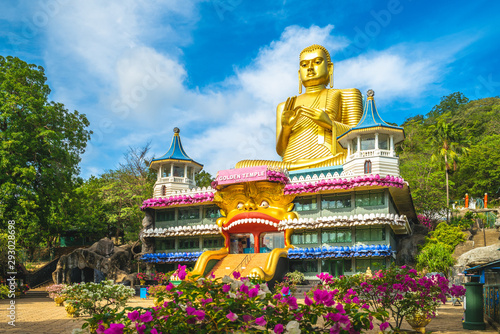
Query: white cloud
[(139, 93)]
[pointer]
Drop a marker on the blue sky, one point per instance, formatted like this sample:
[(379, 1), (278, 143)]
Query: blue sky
[(217, 69)]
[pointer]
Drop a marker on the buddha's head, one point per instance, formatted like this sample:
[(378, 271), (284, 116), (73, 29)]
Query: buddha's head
[(316, 66)]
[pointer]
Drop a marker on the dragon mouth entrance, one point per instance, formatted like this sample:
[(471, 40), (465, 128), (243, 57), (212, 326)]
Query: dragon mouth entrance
[(252, 219)]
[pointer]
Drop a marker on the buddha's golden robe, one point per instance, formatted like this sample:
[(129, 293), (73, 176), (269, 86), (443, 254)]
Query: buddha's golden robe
[(311, 145)]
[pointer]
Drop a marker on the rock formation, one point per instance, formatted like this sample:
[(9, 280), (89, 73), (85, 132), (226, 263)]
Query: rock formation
[(113, 261)]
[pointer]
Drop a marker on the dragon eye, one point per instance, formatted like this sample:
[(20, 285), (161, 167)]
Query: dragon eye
[(239, 206), (264, 204)]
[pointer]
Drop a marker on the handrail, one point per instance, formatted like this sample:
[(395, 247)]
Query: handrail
[(268, 272), (206, 256), (246, 259)]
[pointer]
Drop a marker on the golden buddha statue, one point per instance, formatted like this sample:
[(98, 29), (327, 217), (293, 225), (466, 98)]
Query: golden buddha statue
[(307, 125)]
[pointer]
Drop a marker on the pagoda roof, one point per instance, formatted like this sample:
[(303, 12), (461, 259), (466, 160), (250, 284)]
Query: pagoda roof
[(370, 121), (175, 153)]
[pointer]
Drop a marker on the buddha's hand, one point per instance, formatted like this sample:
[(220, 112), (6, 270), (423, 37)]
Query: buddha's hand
[(290, 114), (318, 116)]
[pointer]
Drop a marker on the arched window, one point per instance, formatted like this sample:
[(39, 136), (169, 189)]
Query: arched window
[(163, 190), (368, 167)]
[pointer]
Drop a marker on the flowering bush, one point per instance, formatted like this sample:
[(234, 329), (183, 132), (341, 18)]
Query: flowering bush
[(55, 290), (97, 298), (401, 291), (426, 221), (160, 277), (142, 276), (230, 305), (155, 290)]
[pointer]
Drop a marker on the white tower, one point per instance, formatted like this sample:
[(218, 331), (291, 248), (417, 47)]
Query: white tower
[(176, 170), (370, 144)]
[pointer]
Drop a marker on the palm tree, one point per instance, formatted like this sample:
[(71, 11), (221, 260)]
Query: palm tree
[(449, 147)]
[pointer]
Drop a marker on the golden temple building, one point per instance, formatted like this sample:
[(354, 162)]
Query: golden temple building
[(336, 202)]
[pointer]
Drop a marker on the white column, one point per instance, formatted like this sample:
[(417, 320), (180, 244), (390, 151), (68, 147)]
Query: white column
[(171, 170), (185, 170), (392, 145), (376, 141), (348, 148), (359, 144)]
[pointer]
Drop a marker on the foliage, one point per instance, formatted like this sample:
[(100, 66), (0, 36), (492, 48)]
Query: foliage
[(426, 221), (459, 126), (97, 298), (124, 190), (296, 277), (203, 179), (436, 257), (401, 291), (155, 290), (446, 234), (465, 222), (230, 305), (41, 144), (4, 291), (56, 290), (436, 254)]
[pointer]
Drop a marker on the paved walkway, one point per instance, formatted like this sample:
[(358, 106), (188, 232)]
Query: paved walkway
[(36, 314)]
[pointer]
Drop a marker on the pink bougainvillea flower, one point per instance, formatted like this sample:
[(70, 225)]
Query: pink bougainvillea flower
[(236, 275), (384, 326), (292, 303), (133, 316), (146, 317), (169, 286), (226, 288), (231, 316), (285, 290), (140, 328), (247, 318), (190, 310), (200, 315), (253, 292), (278, 329), (308, 301), (244, 289), (100, 329), (261, 321), (154, 331), (179, 292), (206, 301), (182, 272), (115, 329)]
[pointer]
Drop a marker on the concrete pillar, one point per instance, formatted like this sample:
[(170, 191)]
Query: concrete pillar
[(392, 145), (359, 143), (376, 141)]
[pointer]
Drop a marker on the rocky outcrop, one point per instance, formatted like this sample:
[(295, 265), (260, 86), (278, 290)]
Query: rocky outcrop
[(408, 245), (479, 256), (114, 262)]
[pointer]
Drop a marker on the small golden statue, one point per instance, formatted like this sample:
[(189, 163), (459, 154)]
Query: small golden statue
[(307, 125)]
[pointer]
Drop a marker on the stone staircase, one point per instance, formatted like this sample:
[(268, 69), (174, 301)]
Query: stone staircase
[(478, 240), (243, 263)]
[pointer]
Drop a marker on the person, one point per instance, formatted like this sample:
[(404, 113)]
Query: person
[(307, 125)]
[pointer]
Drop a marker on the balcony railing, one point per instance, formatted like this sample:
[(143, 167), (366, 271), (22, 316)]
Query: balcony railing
[(372, 153)]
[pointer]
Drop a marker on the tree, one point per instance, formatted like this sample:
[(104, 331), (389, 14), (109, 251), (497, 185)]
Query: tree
[(40, 147), (448, 147), (449, 104), (124, 190), (481, 172), (203, 179), (436, 257)]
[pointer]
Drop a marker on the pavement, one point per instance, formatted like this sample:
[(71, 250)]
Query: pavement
[(35, 313)]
